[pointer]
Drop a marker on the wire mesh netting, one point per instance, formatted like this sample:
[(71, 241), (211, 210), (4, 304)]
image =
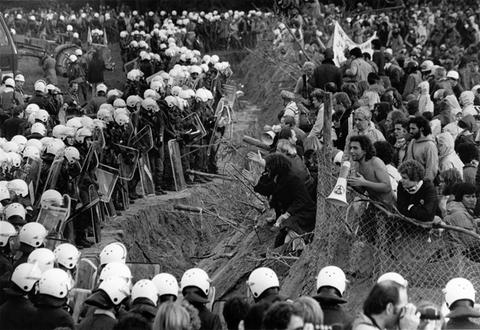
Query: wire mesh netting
[(367, 241)]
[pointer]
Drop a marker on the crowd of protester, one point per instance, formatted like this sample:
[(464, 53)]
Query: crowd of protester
[(405, 116)]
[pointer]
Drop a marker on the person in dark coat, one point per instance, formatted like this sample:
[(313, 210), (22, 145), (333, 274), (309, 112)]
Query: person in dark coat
[(195, 285), (95, 68), (49, 69), (51, 301), (416, 196), (196, 297), (18, 312), (14, 125), (39, 98), (331, 283), (460, 298), (327, 72), (378, 57), (294, 208), (105, 302)]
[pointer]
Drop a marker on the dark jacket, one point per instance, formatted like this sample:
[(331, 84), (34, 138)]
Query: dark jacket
[(51, 314), (461, 323), (325, 73), (97, 322), (13, 126), (95, 69), (379, 59), (333, 313), (209, 320), (17, 312), (424, 202), (145, 308)]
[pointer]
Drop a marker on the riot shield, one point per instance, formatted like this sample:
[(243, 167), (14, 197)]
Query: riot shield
[(106, 178), (86, 274), (54, 219), (198, 132), (95, 213), (130, 65), (176, 162), (91, 160), (146, 177), (53, 174), (128, 160), (143, 140), (98, 139), (230, 94), (77, 298)]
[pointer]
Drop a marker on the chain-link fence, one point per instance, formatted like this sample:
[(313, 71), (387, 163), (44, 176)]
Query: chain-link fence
[(367, 241)]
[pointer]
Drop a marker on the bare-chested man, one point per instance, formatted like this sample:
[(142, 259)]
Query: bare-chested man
[(371, 176)]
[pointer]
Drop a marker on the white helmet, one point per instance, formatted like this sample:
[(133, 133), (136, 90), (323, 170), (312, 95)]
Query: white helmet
[(55, 147), (9, 82), (105, 115), (18, 186), (43, 257), (26, 275), (55, 282), (116, 289), (117, 269), (395, 277), (31, 152), (69, 28), (332, 276), (67, 255), (42, 115), (166, 284), (31, 108), (196, 277), (82, 133), (457, 289), (72, 155), (119, 103), (33, 234), (20, 140), (122, 119), (87, 122), (123, 34), (73, 58), (74, 122), (7, 230), (261, 279), (40, 86), (145, 289), (113, 252), (150, 93), (50, 197), (4, 193), (39, 128), (15, 159), (34, 143), (58, 131), (133, 100), (10, 146), (15, 209), (150, 105)]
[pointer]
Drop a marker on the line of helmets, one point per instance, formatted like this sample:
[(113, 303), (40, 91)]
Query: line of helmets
[(52, 273)]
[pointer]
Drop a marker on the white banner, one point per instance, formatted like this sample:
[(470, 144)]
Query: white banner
[(341, 41)]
